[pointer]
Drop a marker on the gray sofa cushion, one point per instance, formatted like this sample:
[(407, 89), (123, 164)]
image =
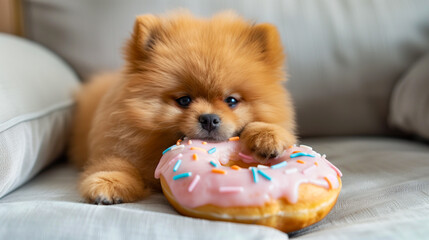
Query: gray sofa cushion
[(35, 109), (385, 195), (49, 207), (344, 56), (409, 108)]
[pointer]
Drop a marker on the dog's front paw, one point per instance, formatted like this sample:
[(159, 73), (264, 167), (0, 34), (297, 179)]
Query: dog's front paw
[(266, 140), (111, 187)]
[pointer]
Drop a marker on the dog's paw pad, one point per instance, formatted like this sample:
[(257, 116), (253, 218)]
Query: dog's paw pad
[(107, 201)]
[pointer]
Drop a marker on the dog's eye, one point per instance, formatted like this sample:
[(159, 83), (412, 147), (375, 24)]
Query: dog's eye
[(231, 101), (184, 101)]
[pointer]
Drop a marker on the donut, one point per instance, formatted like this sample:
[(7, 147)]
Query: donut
[(220, 181)]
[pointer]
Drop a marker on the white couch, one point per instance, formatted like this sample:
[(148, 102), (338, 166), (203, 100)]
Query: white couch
[(359, 79)]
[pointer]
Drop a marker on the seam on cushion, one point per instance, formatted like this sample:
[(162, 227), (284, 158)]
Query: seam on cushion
[(34, 115), (53, 117)]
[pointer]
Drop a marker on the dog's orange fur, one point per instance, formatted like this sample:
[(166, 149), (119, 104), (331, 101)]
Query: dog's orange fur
[(125, 120)]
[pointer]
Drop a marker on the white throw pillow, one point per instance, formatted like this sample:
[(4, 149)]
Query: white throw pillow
[(35, 109), (409, 109)]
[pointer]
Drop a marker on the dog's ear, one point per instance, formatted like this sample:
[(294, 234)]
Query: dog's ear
[(268, 40), (145, 30), (143, 38)]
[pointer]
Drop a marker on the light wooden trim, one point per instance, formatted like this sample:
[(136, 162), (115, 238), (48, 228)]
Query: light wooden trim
[(11, 17)]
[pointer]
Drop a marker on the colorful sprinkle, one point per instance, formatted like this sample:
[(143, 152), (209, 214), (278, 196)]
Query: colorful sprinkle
[(178, 142), (234, 138), (244, 156), (307, 147), (230, 189), (290, 171), (316, 163), (261, 166), (301, 154), (309, 169), (255, 175), (175, 158), (219, 171), (194, 183), (279, 165), (324, 156), (182, 175), (300, 161), (264, 175), (211, 151), (189, 142), (213, 164), (296, 151), (290, 147), (204, 143), (175, 147), (197, 148), (195, 157), (166, 150), (235, 167), (329, 182), (177, 165)]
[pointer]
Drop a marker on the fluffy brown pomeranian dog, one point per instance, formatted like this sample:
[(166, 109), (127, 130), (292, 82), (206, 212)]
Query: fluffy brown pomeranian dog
[(184, 76)]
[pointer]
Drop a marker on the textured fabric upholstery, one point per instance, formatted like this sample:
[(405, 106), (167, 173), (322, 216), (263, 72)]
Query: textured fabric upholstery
[(409, 108), (385, 195)]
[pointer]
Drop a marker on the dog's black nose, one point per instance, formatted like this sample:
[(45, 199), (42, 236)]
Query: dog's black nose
[(209, 121)]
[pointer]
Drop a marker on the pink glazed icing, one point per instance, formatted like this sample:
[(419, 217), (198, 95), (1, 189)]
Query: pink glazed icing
[(193, 182)]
